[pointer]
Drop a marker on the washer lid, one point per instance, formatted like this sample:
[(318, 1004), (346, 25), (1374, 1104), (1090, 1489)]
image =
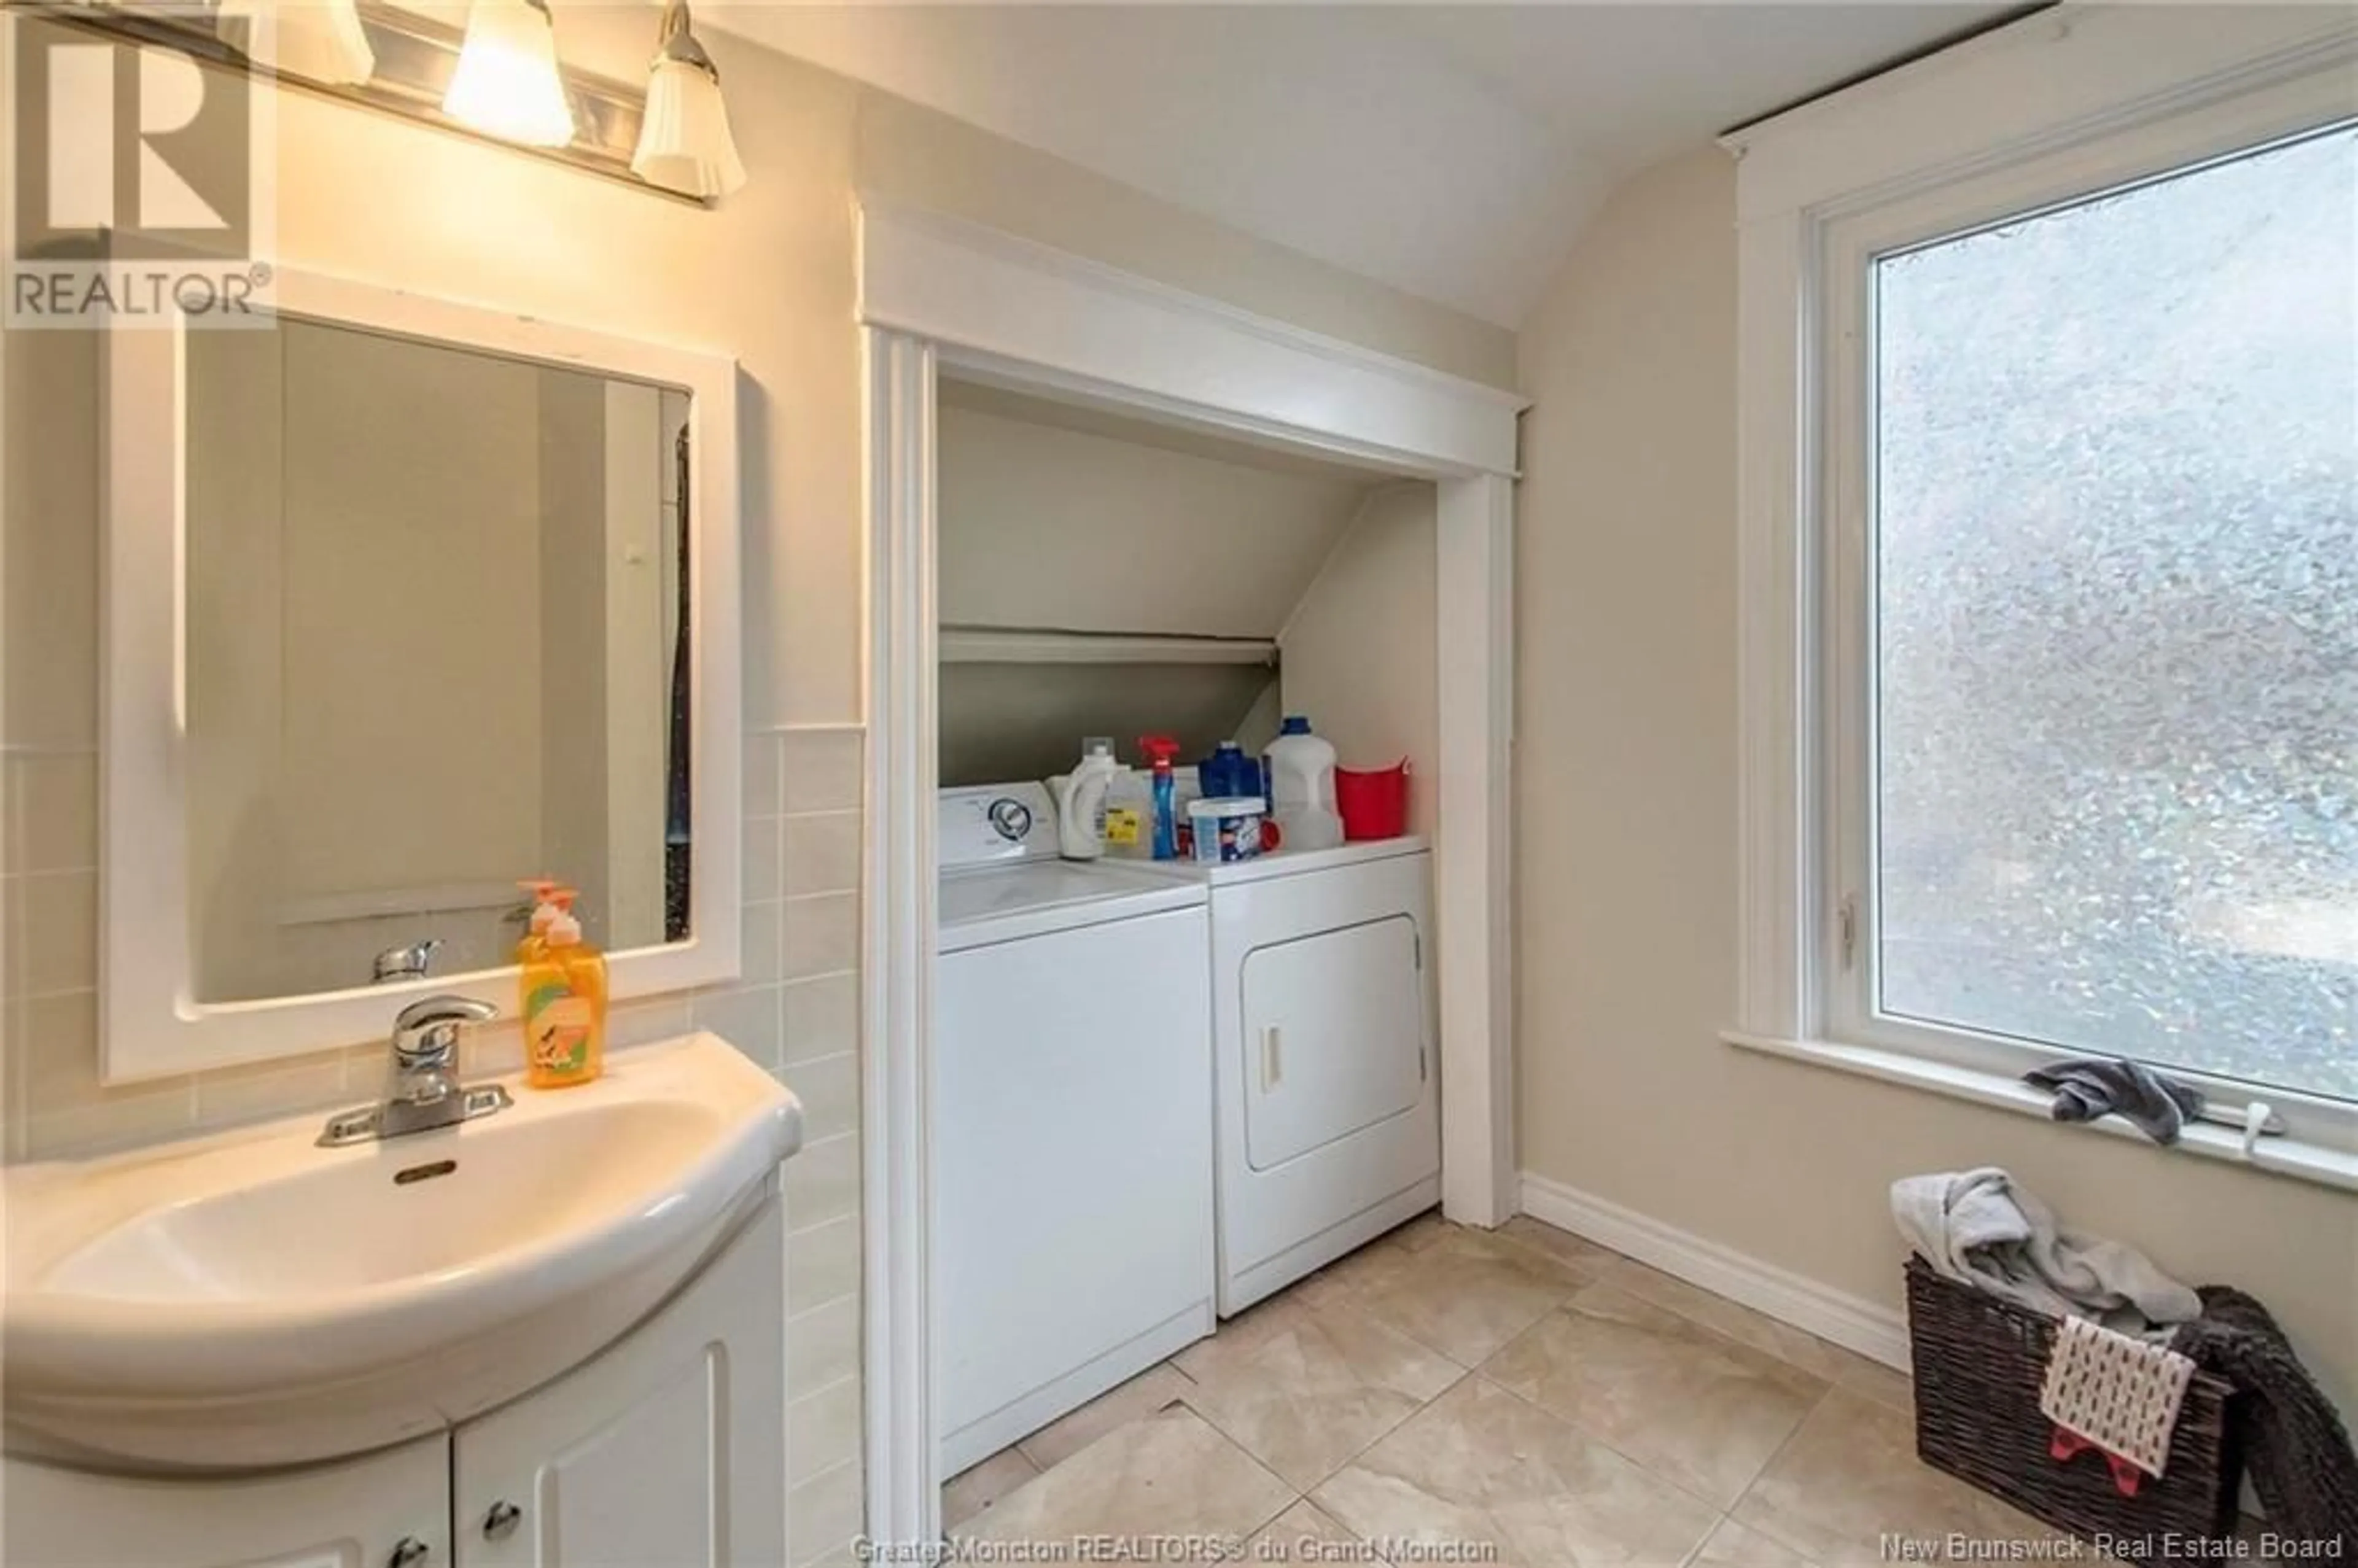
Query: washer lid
[(1036, 897)]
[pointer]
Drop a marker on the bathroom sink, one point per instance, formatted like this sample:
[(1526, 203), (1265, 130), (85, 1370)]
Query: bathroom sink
[(251, 1298)]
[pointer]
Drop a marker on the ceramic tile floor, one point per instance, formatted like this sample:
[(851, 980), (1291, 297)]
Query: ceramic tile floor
[(1518, 1397)]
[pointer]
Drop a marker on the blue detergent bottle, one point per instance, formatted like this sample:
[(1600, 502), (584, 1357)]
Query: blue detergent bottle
[(1228, 772), (1160, 750)]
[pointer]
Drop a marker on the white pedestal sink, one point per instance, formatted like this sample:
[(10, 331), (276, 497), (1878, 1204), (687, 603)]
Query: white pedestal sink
[(250, 1299)]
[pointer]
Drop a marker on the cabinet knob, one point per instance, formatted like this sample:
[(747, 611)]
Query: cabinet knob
[(409, 1552), (501, 1522)]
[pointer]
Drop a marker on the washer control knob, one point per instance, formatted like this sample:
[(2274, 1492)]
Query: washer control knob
[(1012, 818)]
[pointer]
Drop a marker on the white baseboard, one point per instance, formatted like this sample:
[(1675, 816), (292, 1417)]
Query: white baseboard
[(1874, 1331)]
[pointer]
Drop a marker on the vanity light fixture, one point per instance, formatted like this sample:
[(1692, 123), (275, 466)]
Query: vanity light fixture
[(498, 77), (321, 40), (507, 83), (684, 140)]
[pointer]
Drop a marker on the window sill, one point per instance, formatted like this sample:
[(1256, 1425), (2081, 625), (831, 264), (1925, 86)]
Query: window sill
[(2276, 1156)]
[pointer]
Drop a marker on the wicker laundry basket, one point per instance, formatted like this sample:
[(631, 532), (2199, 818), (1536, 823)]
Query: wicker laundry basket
[(1979, 1364)]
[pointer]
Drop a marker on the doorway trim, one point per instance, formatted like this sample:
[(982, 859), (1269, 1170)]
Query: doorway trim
[(939, 292)]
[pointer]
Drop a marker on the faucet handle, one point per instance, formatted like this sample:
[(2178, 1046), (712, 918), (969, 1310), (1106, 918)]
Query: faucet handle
[(425, 1033)]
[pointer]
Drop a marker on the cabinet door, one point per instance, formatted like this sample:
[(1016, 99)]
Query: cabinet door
[(667, 1449), (385, 1510)]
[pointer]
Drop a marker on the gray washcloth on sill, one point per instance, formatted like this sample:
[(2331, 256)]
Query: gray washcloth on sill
[(2091, 1086)]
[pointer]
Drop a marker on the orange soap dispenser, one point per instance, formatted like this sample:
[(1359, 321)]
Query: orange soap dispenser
[(564, 984)]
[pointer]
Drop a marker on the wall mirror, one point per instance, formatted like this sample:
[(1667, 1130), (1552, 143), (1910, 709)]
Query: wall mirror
[(409, 602)]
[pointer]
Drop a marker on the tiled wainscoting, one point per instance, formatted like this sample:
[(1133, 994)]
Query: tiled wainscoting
[(796, 1011)]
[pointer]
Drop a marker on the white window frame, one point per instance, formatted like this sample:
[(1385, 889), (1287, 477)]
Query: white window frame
[(2048, 111)]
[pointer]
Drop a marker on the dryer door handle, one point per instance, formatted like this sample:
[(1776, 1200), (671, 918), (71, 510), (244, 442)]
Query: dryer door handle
[(1272, 1059)]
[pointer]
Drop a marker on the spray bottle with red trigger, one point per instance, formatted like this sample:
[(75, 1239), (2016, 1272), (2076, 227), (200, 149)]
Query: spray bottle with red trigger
[(1160, 750)]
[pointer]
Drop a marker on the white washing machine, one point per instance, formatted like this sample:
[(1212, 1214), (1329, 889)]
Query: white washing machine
[(1327, 1075), (1072, 1123)]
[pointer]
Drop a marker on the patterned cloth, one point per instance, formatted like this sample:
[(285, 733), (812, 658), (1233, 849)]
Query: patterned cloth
[(2120, 1393)]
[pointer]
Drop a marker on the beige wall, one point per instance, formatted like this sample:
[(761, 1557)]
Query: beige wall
[(1081, 531), (414, 503), (236, 571), (641, 480), (570, 628), (326, 535), (926, 160), (1359, 658), (1626, 876), (1072, 519), (768, 278), (425, 575)]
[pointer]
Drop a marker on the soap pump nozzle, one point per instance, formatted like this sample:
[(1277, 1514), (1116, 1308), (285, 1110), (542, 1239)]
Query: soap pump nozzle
[(565, 926), (544, 891)]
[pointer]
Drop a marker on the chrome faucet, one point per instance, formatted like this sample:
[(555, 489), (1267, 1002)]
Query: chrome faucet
[(408, 963), (422, 1090)]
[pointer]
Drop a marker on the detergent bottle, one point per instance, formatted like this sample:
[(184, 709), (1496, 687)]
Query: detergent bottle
[(1158, 751), (1080, 801), (1228, 772), (1301, 769)]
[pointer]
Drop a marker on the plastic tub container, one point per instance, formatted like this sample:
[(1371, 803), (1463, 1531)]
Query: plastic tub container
[(1373, 804), (1227, 828)]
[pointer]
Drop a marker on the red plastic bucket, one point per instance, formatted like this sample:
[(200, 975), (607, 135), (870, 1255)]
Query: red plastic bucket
[(1374, 805)]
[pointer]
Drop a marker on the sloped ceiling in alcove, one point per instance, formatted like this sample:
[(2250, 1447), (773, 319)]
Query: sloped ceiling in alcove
[(1062, 518), (1057, 518)]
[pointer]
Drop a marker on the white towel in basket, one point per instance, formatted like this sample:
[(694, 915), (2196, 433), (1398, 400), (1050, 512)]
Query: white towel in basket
[(2120, 1393)]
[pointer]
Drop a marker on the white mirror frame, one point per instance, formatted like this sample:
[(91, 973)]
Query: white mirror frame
[(151, 1024)]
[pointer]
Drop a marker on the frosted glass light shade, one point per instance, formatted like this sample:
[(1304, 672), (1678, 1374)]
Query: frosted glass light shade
[(684, 141), (319, 40), (506, 85)]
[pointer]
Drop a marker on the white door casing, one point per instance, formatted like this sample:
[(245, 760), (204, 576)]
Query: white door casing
[(938, 293)]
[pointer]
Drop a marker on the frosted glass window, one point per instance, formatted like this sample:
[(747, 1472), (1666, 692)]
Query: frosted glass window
[(2116, 604)]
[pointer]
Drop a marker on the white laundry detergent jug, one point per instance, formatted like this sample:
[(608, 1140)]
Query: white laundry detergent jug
[(1301, 769), (1080, 798)]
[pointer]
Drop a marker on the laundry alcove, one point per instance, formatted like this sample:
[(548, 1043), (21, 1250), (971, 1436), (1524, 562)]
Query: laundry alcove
[(944, 302), (1102, 574)]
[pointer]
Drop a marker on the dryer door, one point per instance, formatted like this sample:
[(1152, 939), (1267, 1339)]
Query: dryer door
[(1333, 1036)]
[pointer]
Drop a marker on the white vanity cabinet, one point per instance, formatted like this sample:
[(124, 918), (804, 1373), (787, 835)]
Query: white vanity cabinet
[(392, 1507), (669, 1447)]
